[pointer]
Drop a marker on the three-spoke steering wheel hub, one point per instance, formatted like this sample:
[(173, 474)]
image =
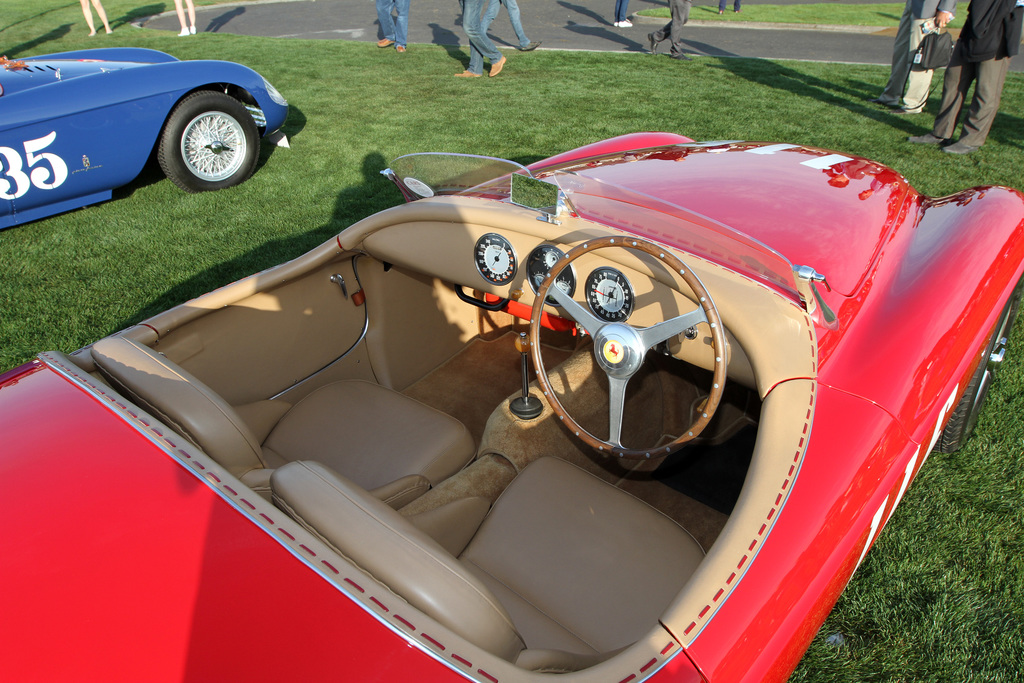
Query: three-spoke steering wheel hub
[(619, 350)]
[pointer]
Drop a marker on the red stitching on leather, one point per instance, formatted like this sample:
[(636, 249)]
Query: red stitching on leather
[(704, 611), (668, 648), (329, 566), (404, 622), (251, 506), (264, 516), (462, 661), (354, 585), (303, 546), (627, 679), (230, 490), (732, 577), (432, 641), (286, 533), (753, 544), (379, 604), (718, 594), (693, 625), (648, 665)]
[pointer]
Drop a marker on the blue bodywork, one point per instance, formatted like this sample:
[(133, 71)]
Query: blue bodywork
[(76, 125)]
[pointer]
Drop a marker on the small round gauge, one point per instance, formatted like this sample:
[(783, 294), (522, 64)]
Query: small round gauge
[(495, 259), (610, 295), (538, 265)]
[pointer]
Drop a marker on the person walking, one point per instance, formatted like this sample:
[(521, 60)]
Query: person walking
[(190, 28), (673, 30), (723, 3), (982, 56), (99, 11), (512, 7), (621, 14), (480, 46), (917, 15), (396, 29)]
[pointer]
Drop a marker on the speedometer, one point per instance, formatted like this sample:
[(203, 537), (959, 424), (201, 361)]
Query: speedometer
[(538, 265), (609, 295), (495, 259)]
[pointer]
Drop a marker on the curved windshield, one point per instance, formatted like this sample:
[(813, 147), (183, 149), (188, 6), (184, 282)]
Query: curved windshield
[(426, 175)]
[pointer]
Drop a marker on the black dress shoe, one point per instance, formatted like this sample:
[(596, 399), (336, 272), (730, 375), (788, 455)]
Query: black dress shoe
[(879, 100)]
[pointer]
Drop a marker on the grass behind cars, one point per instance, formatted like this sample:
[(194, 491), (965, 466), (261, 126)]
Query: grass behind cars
[(939, 597)]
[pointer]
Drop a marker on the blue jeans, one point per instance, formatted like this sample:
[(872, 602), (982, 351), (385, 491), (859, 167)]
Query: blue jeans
[(620, 9), (394, 29), (513, 16), (723, 3), (480, 46)]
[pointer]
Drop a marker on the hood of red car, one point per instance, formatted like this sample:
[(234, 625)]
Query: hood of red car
[(815, 207)]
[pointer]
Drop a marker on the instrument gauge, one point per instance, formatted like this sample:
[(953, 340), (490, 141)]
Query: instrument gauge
[(539, 264), (609, 295), (495, 259)]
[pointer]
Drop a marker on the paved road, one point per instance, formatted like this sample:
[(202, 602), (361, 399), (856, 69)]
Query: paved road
[(558, 24)]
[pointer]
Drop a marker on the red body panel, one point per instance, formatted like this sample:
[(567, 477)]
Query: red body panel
[(124, 566), (117, 547)]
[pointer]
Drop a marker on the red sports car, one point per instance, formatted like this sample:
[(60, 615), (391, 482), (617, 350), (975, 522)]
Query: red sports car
[(637, 411)]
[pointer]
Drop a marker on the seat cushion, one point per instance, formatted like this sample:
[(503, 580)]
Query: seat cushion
[(580, 565), (371, 435), (395, 552)]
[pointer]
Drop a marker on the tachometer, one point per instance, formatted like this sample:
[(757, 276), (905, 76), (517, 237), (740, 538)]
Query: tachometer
[(610, 295), (495, 259), (538, 265)]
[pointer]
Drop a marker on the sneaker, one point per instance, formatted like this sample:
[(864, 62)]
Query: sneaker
[(184, 32), (533, 45), (384, 42), (400, 48), (926, 139), (192, 30), (468, 74), (904, 110), (626, 23)]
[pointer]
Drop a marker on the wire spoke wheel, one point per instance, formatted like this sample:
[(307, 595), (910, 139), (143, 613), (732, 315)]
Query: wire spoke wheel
[(213, 146)]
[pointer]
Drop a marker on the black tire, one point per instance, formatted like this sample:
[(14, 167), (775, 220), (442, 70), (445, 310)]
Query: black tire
[(965, 416), (209, 142)]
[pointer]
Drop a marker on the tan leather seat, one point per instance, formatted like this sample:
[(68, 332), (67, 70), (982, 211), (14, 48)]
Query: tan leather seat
[(564, 570), (384, 441)]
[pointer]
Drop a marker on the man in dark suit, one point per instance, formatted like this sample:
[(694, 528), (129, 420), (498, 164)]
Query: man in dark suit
[(988, 41)]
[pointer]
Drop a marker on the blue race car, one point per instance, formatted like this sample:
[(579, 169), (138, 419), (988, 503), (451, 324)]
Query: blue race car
[(76, 125)]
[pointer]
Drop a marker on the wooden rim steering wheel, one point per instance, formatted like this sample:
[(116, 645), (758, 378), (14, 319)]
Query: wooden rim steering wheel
[(620, 348)]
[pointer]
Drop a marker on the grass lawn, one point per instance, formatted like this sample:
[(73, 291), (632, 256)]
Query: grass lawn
[(837, 14), (940, 596)]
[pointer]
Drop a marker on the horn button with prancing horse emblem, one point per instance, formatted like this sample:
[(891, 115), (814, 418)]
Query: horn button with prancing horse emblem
[(619, 350)]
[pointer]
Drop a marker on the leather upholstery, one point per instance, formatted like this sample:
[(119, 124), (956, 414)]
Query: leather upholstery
[(580, 565), (395, 552), (179, 400), (379, 438), (564, 571)]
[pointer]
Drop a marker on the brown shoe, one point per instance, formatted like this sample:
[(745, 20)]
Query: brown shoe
[(497, 67), (384, 42), (468, 74), (400, 48)]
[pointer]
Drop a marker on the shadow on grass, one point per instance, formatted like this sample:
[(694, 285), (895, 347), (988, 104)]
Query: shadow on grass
[(374, 194), (29, 46)]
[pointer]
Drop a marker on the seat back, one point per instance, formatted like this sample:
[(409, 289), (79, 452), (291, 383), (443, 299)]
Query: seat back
[(388, 547), (181, 401)]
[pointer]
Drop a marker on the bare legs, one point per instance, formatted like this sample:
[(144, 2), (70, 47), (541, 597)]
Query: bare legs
[(98, 6), (190, 27)]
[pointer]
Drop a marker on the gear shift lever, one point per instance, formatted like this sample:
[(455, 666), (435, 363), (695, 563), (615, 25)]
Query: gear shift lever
[(525, 407)]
